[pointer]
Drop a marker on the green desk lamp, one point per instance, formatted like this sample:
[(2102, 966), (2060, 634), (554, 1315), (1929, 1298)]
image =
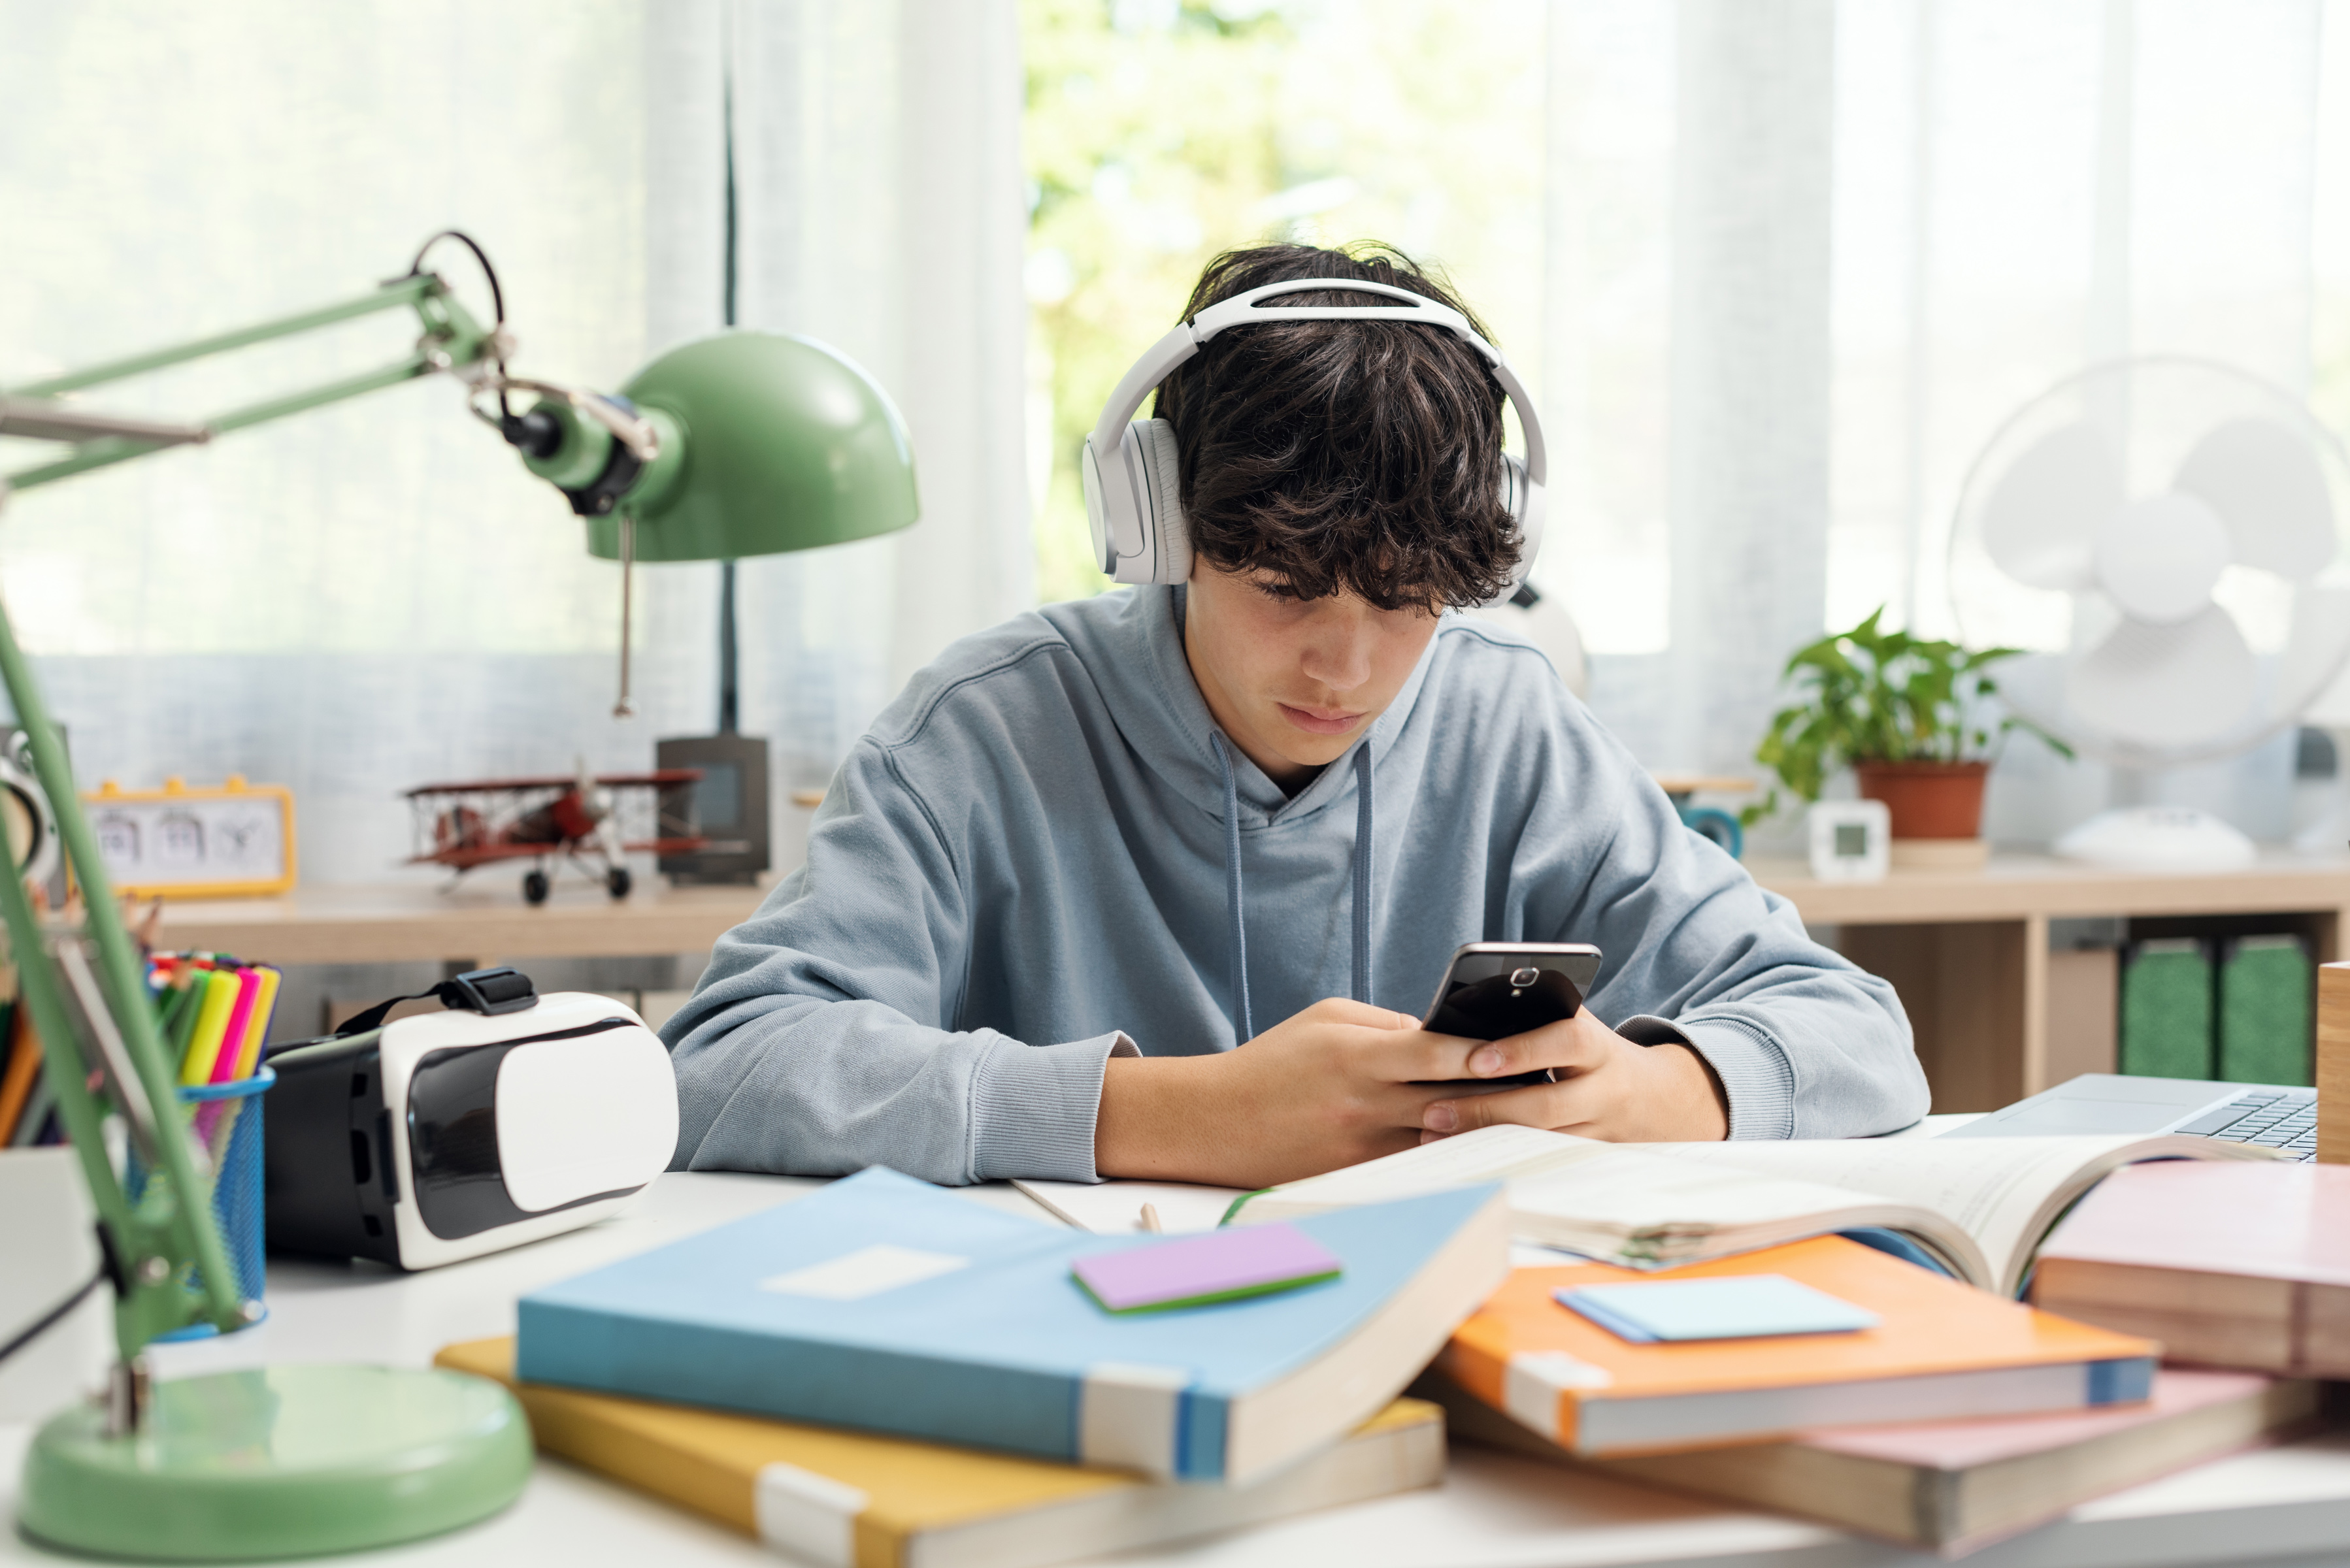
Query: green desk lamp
[(741, 444)]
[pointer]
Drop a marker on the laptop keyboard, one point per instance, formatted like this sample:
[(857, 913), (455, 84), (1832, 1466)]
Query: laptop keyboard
[(2274, 1119)]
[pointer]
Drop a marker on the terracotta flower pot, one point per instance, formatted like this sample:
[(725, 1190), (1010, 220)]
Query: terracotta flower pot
[(1927, 800)]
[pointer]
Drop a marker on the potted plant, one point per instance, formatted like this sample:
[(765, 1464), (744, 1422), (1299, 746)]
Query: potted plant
[(1912, 717)]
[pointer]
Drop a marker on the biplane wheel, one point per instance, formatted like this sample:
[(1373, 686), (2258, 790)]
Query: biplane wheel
[(617, 881), (534, 887)]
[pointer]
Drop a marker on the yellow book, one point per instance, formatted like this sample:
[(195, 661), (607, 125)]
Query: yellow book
[(855, 1499)]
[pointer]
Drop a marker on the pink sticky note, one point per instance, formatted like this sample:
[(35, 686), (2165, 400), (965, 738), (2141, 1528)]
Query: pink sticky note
[(1222, 1265)]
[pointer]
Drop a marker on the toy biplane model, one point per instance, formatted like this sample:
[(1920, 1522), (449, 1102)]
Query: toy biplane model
[(585, 819)]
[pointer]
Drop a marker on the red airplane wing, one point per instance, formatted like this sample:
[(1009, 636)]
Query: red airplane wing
[(657, 778), (466, 858)]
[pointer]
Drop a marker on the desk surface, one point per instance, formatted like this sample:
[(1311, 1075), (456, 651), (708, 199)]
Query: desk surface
[(1494, 1510), (475, 919)]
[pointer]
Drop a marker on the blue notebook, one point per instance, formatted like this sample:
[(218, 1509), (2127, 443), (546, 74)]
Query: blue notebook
[(886, 1303)]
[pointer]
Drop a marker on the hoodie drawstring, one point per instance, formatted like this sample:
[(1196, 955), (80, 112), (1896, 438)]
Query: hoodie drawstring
[(1232, 890), (1364, 824), (1363, 872)]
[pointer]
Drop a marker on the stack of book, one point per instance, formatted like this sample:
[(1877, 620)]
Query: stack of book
[(884, 1371), (1957, 1415)]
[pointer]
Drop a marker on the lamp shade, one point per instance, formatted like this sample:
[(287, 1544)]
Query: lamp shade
[(769, 443)]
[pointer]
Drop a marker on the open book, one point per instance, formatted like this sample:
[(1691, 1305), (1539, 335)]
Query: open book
[(1979, 1206)]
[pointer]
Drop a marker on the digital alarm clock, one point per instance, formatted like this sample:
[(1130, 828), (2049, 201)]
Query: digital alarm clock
[(1852, 840)]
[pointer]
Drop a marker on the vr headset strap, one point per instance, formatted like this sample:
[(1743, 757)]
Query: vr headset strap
[(484, 991)]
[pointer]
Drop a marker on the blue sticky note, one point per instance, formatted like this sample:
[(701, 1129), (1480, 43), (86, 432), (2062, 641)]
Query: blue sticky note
[(1741, 1307)]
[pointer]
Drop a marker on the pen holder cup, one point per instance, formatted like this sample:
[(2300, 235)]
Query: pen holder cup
[(226, 1119)]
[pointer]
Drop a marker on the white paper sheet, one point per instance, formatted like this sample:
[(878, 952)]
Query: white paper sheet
[(1115, 1208)]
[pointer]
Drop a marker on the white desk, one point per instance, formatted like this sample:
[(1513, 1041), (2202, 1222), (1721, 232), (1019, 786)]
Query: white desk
[(2285, 1507)]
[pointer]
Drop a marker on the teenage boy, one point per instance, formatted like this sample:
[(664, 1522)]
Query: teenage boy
[(1012, 950)]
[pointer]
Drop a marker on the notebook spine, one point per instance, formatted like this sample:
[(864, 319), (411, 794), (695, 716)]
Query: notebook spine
[(1146, 1419)]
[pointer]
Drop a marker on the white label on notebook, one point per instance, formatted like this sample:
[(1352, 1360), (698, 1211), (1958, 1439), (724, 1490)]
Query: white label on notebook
[(1532, 1382), (867, 1272), (807, 1515), (1126, 1416)]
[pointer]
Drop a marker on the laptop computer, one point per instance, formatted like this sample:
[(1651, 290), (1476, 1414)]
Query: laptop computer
[(2278, 1116)]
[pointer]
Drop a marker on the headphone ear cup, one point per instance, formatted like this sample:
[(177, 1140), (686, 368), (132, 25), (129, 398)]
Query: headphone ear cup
[(1522, 498), (1168, 557), (1090, 475)]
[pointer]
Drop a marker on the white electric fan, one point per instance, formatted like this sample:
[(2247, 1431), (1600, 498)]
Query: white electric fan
[(2164, 536)]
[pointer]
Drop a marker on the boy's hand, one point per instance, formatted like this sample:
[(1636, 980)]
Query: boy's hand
[(1331, 1086), (1609, 1087), (1342, 1083)]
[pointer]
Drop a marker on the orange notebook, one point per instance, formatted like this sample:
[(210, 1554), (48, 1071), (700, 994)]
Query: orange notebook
[(1941, 1351), (2231, 1266)]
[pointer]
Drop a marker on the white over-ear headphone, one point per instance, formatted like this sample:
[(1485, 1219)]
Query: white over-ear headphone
[(1132, 494)]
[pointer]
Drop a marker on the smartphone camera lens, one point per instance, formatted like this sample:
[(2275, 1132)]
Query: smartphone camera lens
[(1524, 977)]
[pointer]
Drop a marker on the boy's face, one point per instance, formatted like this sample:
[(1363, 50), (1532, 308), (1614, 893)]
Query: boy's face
[(1294, 682)]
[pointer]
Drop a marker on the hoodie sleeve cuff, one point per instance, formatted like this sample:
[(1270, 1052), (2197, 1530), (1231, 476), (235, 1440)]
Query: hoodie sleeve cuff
[(1033, 1108), (1756, 1077)]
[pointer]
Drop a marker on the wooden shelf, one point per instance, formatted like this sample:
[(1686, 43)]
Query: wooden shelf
[(467, 924), (1996, 1014), (2017, 886)]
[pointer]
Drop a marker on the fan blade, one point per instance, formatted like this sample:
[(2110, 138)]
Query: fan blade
[(2316, 653), (2158, 557), (2263, 480), (2043, 515), (2166, 686)]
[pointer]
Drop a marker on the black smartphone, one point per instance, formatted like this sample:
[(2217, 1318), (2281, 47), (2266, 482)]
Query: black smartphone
[(1494, 989)]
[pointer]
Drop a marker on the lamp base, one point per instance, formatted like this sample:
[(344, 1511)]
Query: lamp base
[(291, 1461)]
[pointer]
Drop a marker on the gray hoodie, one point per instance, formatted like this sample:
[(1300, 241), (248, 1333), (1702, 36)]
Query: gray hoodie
[(1045, 854)]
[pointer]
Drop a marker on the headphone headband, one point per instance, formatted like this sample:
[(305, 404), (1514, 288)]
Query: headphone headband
[(1188, 337), (1129, 467)]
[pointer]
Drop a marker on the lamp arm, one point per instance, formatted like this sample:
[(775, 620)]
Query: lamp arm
[(82, 988), (451, 340), (96, 1027)]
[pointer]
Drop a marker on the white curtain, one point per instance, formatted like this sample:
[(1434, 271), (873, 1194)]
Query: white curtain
[(1804, 255), (375, 596), (880, 210)]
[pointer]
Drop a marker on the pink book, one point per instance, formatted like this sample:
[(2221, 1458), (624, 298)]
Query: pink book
[(2228, 1265), (1951, 1487)]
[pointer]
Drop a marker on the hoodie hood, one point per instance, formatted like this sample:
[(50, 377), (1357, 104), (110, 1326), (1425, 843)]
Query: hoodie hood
[(1238, 791)]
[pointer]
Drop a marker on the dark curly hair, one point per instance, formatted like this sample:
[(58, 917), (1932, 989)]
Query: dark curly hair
[(1342, 455)]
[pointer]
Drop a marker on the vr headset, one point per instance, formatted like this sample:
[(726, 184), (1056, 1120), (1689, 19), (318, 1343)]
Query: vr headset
[(509, 1117)]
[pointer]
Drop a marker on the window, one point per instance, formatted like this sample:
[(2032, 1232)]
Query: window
[(1159, 133)]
